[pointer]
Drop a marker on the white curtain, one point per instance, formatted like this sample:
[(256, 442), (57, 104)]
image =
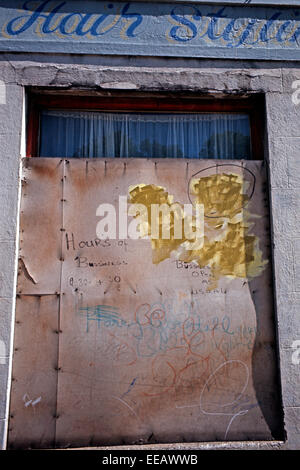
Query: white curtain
[(121, 135)]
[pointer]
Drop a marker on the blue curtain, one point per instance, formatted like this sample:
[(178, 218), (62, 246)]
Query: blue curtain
[(108, 135)]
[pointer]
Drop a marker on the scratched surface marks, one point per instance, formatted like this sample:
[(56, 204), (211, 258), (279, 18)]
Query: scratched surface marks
[(40, 226), (146, 346), (157, 344), (34, 384)]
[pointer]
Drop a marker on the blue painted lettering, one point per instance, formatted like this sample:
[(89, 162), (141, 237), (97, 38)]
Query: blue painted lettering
[(213, 25), (265, 30), (30, 19), (131, 30), (185, 26)]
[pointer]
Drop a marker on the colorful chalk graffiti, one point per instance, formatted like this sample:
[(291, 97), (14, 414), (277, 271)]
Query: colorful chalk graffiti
[(192, 359)]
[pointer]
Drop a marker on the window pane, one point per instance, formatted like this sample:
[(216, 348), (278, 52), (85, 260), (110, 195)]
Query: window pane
[(105, 135)]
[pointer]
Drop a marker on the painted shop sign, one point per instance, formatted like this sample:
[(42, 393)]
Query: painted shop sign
[(162, 29)]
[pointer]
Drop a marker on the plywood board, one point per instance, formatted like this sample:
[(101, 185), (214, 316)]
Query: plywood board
[(149, 343), (160, 343), (35, 361), (40, 226)]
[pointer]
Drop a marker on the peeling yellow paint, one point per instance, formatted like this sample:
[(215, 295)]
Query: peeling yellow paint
[(149, 195), (222, 194), (229, 248)]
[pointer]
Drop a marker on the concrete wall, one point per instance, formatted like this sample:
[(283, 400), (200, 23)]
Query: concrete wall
[(11, 101), (217, 77)]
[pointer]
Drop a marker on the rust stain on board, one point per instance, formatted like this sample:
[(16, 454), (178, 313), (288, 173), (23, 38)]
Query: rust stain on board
[(43, 170)]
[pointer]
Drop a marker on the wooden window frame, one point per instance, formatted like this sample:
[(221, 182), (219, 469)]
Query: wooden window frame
[(253, 105)]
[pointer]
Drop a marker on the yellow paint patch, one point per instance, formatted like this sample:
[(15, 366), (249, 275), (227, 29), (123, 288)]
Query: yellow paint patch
[(229, 248), (222, 195), (148, 195)]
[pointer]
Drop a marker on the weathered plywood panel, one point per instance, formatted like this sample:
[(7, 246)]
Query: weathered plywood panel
[(149, 340), (40, 226), (157, 342), (35, 359)]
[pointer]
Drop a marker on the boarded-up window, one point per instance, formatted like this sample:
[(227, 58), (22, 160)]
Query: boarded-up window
[(123, 339)]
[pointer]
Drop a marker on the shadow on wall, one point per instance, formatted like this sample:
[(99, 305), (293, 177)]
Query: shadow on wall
[(265, 360), (245, 255)]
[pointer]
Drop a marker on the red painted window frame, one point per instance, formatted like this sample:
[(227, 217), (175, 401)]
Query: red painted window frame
[(252, 105)]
